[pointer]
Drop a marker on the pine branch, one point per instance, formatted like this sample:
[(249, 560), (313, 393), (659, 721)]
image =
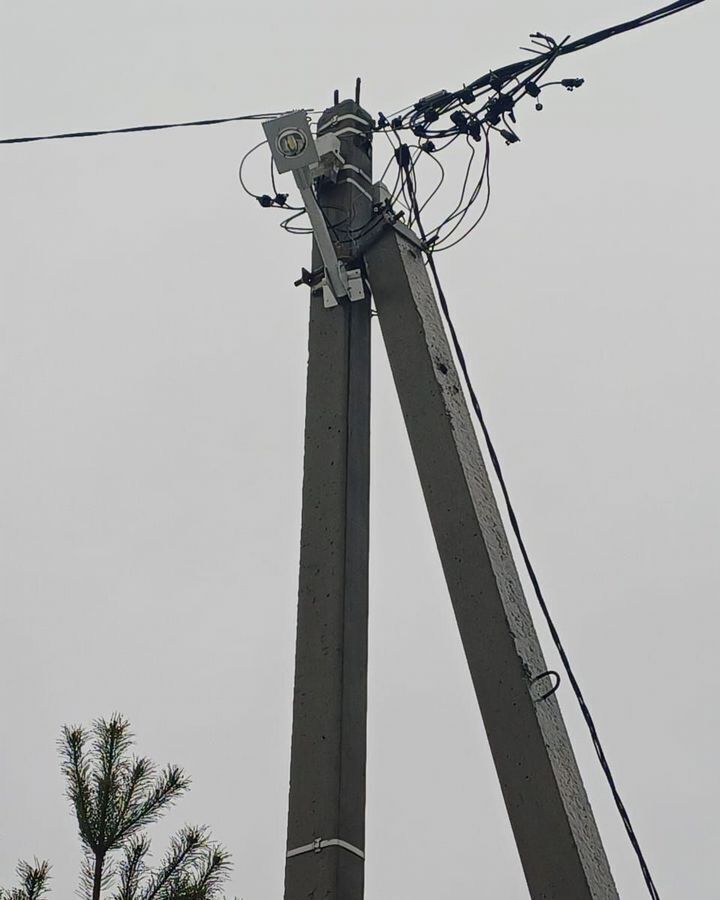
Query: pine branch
[(111, 743), (87, 875), (131, 869), (34, 882), (185, 850), (171, 784), (210, 874), (75, 767), (136, 782)]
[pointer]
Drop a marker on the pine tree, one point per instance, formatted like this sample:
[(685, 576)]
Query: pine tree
[(115, 795)]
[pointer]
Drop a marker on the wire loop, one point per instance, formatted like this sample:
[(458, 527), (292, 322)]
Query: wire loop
[(551, 673)]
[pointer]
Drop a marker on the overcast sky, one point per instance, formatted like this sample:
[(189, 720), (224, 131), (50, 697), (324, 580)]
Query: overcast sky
[(152, 363)]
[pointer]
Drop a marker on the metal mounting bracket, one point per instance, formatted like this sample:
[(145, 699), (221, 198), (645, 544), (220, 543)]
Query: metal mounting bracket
[(355, 288), (336, 276), (331, 160)]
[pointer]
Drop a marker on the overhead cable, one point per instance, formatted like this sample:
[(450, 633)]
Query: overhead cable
[(505, 85), (256, 117)]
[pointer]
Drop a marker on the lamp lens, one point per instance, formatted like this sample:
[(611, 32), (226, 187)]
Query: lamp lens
[(291, 142)]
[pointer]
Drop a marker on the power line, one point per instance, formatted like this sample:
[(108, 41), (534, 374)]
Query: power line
[(436, 121), (256, 117), (589, 721), (488, 105), (420, 117)]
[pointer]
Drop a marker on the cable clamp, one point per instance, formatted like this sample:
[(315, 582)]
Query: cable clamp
[(318, 845), (332, 124), (382, 205)]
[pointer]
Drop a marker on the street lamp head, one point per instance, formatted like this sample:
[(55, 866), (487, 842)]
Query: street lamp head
[(291, 141)]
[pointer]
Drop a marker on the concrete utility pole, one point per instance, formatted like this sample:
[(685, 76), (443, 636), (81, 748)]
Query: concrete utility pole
[(326, 820), (555, 831), (554, 827)]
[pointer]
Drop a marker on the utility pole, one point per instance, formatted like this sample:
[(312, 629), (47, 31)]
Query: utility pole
[(326, 819), (357, 238), (361, 246)]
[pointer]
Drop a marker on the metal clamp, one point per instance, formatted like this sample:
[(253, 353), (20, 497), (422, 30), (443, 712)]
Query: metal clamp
[(319, 844)]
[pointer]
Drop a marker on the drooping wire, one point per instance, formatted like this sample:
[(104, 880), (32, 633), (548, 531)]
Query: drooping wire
[(587, 716), (459, 205), (277, 200), (483, 181), (440, 183), (242, 166), (456, 218), (291, 229), (460, 212), (256, 117)]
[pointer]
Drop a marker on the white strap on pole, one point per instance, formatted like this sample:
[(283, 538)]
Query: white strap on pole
[(319, 844)]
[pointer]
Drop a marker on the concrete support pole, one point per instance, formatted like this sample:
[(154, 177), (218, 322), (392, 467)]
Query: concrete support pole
[(326, 818), (555, 831)]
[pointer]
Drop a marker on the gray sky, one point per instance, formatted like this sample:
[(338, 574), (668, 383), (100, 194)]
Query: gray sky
[(152, 356)]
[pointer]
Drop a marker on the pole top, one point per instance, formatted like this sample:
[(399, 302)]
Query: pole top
[(349, 110)]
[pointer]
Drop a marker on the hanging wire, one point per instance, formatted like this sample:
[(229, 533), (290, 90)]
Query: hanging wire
[(440, 183), (242, 166), (285, 224), (277, 200)]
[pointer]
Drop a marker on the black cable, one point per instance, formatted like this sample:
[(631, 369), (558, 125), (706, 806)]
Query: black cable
[(582, 43), (622, 810), (440, 242), (278, 201), (393, 158), (396, 195), (285, 224), (136, 128), (440, 183), (441, 245), (436, 238), (242, 166), (498, 79), (456, 210), (406, 188), (381, 179)]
